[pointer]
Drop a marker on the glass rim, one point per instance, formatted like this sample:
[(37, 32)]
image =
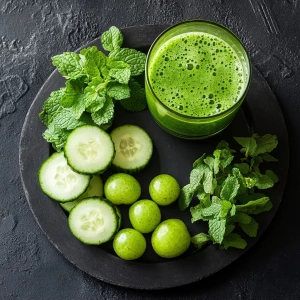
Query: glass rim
[(214, 24)]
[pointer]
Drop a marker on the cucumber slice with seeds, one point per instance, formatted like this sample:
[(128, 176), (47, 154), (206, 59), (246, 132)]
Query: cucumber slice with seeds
[(89, 149), (94, 221), (133, 148), (59, 181), (95, 188)]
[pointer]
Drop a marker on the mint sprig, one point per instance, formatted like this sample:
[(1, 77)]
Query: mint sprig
[(227, 190), (94, 81)]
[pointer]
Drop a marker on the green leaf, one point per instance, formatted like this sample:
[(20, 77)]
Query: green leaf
[(214, 209), (94, 97), (250, 182), (229, 229), (137, 100), (264, 182), (249, 145), (57, 136), (250, 228), (229, 188), (51, 106), (105, 114), (112, 39), (95, 60), (224, 157), (209, 182), (244, 198), (272, 176), (199, 240), (233, 210), (203, 197), (243, 167), (196, 176), (132, 57), (234, 240), (267, 157), (265, 144), (225, 208), (121, 75), (241, 180), (240, 218), (69, 64), (217, 230), (72, 92), (254, 207), (65, 120), (118, 91), (185, 197), (197, 213), (199, 161)]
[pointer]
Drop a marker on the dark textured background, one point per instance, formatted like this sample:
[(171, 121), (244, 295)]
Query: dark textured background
[(33, 31)]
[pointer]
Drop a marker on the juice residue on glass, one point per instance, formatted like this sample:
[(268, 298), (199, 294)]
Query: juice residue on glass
[(197, 74)]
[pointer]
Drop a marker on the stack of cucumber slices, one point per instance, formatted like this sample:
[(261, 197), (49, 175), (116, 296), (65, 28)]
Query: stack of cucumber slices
[(72, 177)]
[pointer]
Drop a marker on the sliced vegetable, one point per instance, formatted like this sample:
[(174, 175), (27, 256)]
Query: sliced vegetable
[(94, 221), (95, 188), (59, 181), (89, 149), (133, 148)]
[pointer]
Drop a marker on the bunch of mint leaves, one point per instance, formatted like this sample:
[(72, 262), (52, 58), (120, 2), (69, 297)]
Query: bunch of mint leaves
[(229, 191), (94, 81)]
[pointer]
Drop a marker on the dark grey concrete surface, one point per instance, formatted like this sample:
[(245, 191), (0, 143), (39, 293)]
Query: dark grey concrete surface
[(33, 31)]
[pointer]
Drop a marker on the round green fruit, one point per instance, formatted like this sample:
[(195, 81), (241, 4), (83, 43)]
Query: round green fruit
[(144, 215), (171, 238), (122, 188), (129, 244), (164, 189)]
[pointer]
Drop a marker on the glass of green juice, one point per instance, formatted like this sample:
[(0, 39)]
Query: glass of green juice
[(197, 76)]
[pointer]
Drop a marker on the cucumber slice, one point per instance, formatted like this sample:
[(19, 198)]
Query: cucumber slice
[(59, 181), (133, 148), (94, 221), (89, 150), (95, 188)]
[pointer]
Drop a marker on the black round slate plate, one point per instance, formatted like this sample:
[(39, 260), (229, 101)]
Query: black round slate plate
[(260, 113)]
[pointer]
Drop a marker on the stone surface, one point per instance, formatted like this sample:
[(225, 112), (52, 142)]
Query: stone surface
[(31, 31)]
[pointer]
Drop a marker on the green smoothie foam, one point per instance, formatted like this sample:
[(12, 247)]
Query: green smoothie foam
[(197, 74)]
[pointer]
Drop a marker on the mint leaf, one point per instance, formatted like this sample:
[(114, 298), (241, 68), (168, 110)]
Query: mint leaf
[(119, 70), (244, 198), (233, 210), (51, 106), (209, 182), (225, 208), (185, 197), (94, 96), (57, 136), (135, 59), (243, 167), (267, 157), (112, 39), (217, 230), (203, 197), (241, 218), (266, 143), (69, 64), (137, 100), (272, 176), (118, 91), (264, 182), (105, 114), (197, 213), (250, 228), (199, 161), (196, 176), (229, 188), (229, 229), (234, 240), (254, 207), (95, 60), (65, 120), (72, 92), (199, 240), (241, 180), (249, 145)]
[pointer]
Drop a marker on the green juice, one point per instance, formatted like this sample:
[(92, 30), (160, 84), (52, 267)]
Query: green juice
[(195, 83)]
